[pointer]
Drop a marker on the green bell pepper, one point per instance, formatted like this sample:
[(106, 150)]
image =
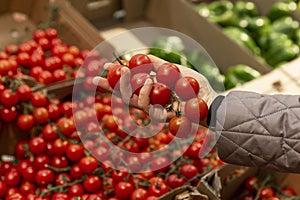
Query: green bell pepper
[(278, 48), (222, 13), (281, 9), (168, 48), (245, 9), (239, 74), (242, 38), (255, 26), (286, 25)]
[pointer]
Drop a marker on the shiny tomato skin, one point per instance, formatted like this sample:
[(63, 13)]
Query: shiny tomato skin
[(137, 82), (139, 194), (189, 171), (44, 176), (25, 122), (173, 181), (196, 109), (9, 98), (180, 126), (41, 115), (140, 63), (168, 74), (8, 115), (123, 190), (92, 183), (37, 145), (38, 99), (187, 87), (266, 192), (113, 76), (88, 164), (160, 94), (157, 189), (24, 92)]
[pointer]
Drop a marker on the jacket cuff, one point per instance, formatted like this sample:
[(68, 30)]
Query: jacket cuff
[(211, 117)]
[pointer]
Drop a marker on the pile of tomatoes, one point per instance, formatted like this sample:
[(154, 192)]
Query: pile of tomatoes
[(258, 188), (45, 57), (169, 86), (61, 158)]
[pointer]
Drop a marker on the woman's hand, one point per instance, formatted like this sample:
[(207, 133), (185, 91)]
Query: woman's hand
[(143, 100)]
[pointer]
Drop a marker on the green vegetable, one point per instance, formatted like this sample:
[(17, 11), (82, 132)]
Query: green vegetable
[(255, 26), (286, 25), (281, 9), (278, 48), (245, 9), (221, 12), (168, 48), (239, 74), (242, 38)]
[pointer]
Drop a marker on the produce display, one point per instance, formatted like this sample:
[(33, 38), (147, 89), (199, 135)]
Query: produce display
[(264, 188), (55, 162), (173, 50), (273, 38)]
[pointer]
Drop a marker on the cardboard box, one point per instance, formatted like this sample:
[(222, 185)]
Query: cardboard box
[(181, 16), (184, 193), (18, 19), (233, 187), (283, 80)]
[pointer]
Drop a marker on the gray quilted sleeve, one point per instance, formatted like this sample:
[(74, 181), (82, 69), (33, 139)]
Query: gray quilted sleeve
[(260, 130)]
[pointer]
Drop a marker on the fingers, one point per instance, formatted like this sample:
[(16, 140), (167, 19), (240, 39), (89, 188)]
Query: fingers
[(102, 82), (144, 99), (125, 86)]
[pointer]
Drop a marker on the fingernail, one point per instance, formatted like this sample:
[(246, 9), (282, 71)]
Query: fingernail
[(124, 70), (106, 65), (148, 81), (96, 80)]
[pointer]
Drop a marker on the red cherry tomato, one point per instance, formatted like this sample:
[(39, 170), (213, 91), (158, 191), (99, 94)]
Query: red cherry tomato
[(160, 94), (168, 74), (196, 110), (173, 181), (38, 34), (41, 115), (24, 92), (266, 193), (137, 82), (92, 183), (124, 190), (180, 126), (51, 33), (157, 189), (12, 178), (139, 194), (38, 99), (76, 190), (8, 114), (45, 77), (189, 171), (25, 122), (114, 75), (88, 165), (3, 188), (140, 63), (187, 88), (9, 98), (37, 145), (75, 152)]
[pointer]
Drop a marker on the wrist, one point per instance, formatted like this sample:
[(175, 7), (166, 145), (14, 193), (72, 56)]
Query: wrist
[(211, 117)]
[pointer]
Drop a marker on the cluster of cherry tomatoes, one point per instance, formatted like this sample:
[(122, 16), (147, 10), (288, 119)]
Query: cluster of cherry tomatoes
[(57, 163), (54, 164), (45, 57), (169, 86), (257, 188)]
